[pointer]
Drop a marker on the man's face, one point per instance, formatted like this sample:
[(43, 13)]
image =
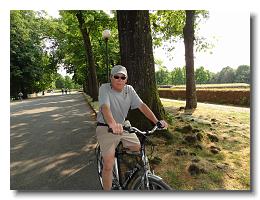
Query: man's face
[(118, 82)]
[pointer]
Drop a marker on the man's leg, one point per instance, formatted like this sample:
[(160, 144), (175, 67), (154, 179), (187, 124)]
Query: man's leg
[(134, 147), (107, 170), (131, 142)]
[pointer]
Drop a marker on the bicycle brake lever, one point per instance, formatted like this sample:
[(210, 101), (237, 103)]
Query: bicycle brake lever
[(128, 129)]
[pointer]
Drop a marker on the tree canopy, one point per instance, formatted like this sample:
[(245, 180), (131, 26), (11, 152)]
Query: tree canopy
[(41, 44)]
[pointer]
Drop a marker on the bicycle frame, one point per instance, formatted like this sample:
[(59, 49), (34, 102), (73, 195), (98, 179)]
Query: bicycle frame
[(145, 167), (133, 174), (120, 183)]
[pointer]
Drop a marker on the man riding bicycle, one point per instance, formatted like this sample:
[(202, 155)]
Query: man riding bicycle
[(115, 100)]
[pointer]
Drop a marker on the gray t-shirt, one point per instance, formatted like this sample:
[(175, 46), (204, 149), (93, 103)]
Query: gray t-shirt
[(119, 102)]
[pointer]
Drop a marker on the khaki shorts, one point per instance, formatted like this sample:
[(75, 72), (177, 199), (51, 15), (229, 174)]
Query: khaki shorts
[(108, 141)]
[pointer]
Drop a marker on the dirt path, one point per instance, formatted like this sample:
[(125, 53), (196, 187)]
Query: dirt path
[(214, 106)]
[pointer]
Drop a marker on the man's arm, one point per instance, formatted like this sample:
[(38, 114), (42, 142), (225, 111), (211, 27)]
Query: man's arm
[(117, 128), (150, 115)]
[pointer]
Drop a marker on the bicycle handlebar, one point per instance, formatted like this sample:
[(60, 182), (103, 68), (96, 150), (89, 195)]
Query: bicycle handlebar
[(132, 129)]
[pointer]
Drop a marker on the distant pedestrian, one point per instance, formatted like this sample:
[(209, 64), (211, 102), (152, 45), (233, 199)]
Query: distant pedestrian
[(62, 91), (66, 91), (20, 96)]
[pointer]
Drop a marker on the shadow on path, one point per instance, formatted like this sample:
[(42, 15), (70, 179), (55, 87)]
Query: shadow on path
[(52, 144)]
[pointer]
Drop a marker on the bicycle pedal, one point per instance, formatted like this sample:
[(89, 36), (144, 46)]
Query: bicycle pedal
[(115, 188)]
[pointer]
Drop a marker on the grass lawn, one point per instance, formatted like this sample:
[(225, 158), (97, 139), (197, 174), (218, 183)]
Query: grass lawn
[(209, 150), (191, 164)]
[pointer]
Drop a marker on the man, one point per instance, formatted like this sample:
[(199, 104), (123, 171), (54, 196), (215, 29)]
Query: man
[(115, 100)]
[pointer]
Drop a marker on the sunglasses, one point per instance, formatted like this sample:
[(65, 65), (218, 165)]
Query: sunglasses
[(117, 77)]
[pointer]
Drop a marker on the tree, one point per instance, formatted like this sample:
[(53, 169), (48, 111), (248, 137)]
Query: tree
[(227, 75), (242, 74), (178, 76), (162, 76), (68, 83), (137, 56), (59, 82), (31, 66), (92, 77), (71, 44), (167, 26), (202, 75), (188, 32)]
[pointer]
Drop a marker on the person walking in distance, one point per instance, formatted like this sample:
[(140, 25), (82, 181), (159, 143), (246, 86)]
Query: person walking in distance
[(115, 100), (20, 96)]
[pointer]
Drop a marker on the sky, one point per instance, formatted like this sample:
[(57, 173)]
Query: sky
[(229, 32)]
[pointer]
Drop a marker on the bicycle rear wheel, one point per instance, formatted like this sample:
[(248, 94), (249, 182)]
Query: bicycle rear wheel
[(155, 183)]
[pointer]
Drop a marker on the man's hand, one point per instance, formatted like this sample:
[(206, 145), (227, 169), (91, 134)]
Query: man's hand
[(163, 124), (116, 128)]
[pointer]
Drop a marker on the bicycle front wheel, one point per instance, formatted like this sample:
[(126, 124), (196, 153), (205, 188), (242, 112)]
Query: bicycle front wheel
[(155, 183), (99, 164)]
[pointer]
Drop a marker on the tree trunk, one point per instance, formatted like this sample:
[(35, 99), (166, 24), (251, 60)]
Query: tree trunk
[(137, 56), (188, 32), (92, 76)]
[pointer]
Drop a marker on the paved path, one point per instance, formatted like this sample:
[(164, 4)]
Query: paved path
[(52, 144)]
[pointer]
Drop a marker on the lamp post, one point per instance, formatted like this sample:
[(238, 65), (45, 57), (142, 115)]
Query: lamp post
[(106, 36)]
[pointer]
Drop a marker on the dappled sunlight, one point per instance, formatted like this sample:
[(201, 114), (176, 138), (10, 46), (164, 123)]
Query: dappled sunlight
[(71, 171), (75, 130), (59, 118), (24, 166), (67, 155), (35, 111), (69, 107), (41, 164), (225, 145), (56, 115), (90, 122), (19, 135), (49, 132), (65, 122), (90, 145), (51, 144), (18, 125), (52, 165), (68, 101), (19, 146)]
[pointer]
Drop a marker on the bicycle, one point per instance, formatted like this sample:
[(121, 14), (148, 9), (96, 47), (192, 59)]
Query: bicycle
[(138, 177)]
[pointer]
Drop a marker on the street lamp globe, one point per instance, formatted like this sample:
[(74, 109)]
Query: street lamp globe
[(106, 34)]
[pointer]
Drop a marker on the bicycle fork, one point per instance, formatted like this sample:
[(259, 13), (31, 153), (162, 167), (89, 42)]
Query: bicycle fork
[(145, 179)]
